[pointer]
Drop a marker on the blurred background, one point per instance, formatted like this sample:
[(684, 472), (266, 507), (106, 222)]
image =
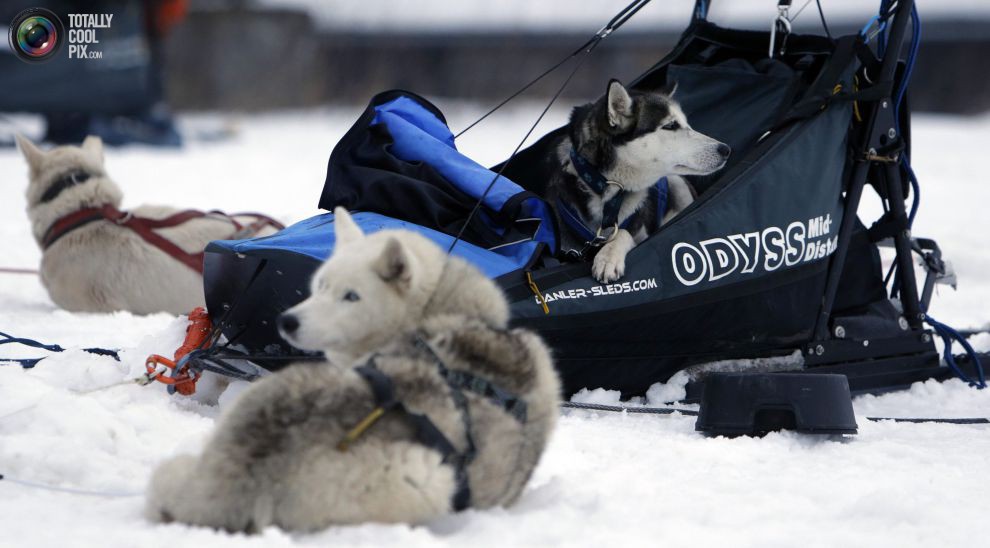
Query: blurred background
[(313, 51), (260, 55)]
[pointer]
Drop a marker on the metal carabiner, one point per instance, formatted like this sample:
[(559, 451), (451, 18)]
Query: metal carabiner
[(781, 24), (613, 230), (124, 219), (866, 33)]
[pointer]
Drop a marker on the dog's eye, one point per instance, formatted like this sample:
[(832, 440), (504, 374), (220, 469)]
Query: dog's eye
[(670, 126), (351, 296)]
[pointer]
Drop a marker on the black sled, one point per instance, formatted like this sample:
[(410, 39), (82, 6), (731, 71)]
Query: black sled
[(769, 270)]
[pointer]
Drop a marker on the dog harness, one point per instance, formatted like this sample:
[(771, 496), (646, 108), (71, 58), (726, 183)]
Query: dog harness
[(65, 182), (145, 228), (426, 432), (598, 183)]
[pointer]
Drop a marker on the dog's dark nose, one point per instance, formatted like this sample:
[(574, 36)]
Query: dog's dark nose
[(288, 323), (724, 150)]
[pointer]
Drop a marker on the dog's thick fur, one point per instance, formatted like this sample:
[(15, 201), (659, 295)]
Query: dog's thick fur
[(103, 267), (632, 138), (273, 458)]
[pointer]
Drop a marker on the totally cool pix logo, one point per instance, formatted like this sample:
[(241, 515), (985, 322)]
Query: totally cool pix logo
[(37, 34)]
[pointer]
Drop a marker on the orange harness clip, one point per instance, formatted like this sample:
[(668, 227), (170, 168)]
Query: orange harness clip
[(183, 380)]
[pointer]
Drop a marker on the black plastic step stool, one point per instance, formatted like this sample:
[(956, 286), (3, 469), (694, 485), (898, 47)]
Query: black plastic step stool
[(752, 404)]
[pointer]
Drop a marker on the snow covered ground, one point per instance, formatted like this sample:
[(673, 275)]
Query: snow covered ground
[(605, 480)]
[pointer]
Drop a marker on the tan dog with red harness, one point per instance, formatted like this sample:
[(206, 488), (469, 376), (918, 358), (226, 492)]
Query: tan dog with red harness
[(99, 258)]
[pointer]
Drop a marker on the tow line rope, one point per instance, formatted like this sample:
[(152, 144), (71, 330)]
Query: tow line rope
[(15, 270), (627, 409), (141, 381), (70, 490), (693, 413), (28, 363)]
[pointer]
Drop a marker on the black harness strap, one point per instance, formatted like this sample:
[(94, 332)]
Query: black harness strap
[(462, 498), (427, 432), (595, 238), (459, 380), (509, 402), (599, 184), (65, 182)]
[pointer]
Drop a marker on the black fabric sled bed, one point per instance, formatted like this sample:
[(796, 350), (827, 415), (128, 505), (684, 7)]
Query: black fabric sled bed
[(770, 262)]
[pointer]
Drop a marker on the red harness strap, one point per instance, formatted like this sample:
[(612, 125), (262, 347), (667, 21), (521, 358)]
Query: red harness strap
[(145, 228)]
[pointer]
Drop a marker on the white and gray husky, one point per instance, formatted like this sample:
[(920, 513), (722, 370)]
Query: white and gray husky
[(616, 150), (103, 266), (428, 402)]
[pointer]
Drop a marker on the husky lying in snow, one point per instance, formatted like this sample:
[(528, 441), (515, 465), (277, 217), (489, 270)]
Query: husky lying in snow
[(616, 150), (305, 448), (93, 264)]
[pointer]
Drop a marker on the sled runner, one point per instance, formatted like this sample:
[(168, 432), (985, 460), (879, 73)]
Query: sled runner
[(770, 269)]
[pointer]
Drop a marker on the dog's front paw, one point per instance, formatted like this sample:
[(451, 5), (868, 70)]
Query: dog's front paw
[(608, 265)]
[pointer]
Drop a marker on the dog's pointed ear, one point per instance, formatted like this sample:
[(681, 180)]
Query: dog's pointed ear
[(345, 228), (668, 89), (619, 104), (94, 146), (31, 152), (393, 265)]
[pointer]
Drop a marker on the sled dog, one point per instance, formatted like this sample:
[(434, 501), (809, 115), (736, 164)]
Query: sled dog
[(92, 261), (427, 402), (616, 149)]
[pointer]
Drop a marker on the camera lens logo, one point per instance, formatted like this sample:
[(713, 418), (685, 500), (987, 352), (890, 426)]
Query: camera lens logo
[(36, 35)]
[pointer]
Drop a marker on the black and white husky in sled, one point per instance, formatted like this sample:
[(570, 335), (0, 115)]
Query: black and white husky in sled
[(617, 150)]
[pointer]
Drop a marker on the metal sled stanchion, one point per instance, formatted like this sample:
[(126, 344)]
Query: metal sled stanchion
[(881, 154), (879, 119)]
